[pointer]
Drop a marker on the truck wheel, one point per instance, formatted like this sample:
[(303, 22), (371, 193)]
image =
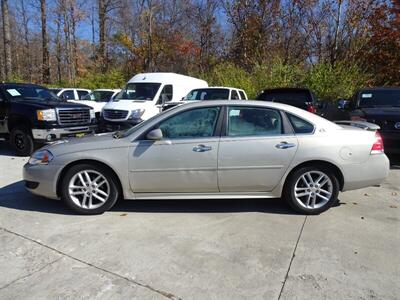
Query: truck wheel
[(22, 141)]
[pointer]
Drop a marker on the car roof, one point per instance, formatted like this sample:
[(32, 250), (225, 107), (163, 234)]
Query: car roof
[(380, 88), (22, 84), (267, 104)]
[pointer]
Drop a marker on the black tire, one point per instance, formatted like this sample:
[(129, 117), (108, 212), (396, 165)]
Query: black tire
[(112, 183), (22, 141), (289, 196)]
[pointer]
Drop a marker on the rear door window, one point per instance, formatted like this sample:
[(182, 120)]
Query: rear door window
[(300, 125), (253, 121), (235, 95), (68, 94), (82, 94), (242, 95)]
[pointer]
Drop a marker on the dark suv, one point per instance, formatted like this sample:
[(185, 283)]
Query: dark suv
[(31, 115), (380, 106), (301, 98)]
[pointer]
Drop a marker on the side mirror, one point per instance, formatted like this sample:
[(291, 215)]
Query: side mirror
[(343, 104), (155, 135)]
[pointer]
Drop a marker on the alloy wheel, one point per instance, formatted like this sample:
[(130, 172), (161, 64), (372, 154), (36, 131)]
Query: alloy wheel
[(89, 189), (313, 189)]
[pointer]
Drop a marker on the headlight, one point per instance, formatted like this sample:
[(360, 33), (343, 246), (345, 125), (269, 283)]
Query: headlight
[(46, 115), (41, 157), (92, 114), (136, 113)]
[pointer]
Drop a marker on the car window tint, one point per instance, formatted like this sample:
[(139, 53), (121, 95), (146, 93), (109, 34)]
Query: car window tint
[(300, 125), (235, 95), (82, 94), (194, 123), (242, 95), (68, 95), (253, 121)]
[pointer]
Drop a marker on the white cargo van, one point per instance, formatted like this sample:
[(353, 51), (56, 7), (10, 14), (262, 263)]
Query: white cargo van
[(144, 96)]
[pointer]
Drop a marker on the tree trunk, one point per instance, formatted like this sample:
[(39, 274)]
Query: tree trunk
[(102, 35), (45, 49), (7, 40)]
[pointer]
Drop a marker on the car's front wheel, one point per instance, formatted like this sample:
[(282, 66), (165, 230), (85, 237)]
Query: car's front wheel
[(22, 141), (89, 189), (311, 189)]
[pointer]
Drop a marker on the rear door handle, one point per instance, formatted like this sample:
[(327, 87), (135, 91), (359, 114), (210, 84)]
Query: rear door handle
[(201, 148), (285, 145)]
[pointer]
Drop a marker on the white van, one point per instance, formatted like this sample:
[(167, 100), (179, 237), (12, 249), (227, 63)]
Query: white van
[(144, 96)]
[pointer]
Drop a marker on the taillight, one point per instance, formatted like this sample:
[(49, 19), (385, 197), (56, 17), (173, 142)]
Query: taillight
[(311, 108), (377, 147)]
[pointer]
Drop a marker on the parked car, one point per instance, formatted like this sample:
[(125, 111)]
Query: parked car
[(298, 97), (30, 114), (380, 106), (214, 150), (70, 93), (144, 96), (209, 93), (98, 98)]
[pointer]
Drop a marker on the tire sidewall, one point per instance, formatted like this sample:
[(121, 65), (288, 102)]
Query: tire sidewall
[(289, 195), (28, 141), (112, 199)]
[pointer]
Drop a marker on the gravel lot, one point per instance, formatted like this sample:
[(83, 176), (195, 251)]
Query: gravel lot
[(255, 249)]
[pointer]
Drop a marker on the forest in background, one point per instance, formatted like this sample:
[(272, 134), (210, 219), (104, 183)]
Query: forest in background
[(330, 46)]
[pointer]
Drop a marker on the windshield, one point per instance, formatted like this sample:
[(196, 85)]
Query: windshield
[(99, 96), (380, 98), (286, 97), (20, 92), (208, 94), (138, 91)]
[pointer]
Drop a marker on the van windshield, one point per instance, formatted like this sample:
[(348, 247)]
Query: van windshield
[(144, 91)]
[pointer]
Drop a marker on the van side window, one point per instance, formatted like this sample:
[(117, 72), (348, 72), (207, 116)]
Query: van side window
[(166, 94)]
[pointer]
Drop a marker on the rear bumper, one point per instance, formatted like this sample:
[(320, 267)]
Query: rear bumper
[(391, 142), (369, 173), (42, 135)]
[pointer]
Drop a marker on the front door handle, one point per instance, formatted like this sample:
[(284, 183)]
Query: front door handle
[(201, 148), (285, 145)]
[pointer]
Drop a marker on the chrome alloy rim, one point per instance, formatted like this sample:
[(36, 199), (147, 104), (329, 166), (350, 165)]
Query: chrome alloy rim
[(89, 189), (313, 189)]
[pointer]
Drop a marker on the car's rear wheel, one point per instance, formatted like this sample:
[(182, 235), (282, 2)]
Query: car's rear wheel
[(311, 190), (22, 141), (89, 189)]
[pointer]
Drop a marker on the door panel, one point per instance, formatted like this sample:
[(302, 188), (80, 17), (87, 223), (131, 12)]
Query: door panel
[(174, 166), (184, 160), (256, 152), (253, 164)]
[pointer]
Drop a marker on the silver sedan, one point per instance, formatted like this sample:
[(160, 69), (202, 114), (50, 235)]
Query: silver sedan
[(212, 150)]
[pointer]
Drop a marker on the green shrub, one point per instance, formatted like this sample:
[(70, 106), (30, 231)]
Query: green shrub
[(110, 79)]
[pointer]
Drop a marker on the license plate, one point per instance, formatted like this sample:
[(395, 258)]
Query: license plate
[(79, 135)]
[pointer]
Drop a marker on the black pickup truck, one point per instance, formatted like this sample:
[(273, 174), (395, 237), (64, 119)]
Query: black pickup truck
[(32, 115), (380, 106)]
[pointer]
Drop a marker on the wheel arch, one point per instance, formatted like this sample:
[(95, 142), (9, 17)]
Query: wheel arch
[(88, 161), (335, 169)]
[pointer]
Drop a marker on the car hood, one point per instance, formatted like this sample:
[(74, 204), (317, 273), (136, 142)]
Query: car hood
[(87, 143), (49, 104), (129, 104)]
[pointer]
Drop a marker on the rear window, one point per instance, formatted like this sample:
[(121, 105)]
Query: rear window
[(300, 125), (371, 98), (295, 97)]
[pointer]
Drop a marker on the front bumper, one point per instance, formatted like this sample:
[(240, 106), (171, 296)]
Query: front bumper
[(41, 180), (42, 135)]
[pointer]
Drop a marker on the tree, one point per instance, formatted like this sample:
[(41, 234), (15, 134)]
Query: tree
[(6, 39), (45, 49)]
